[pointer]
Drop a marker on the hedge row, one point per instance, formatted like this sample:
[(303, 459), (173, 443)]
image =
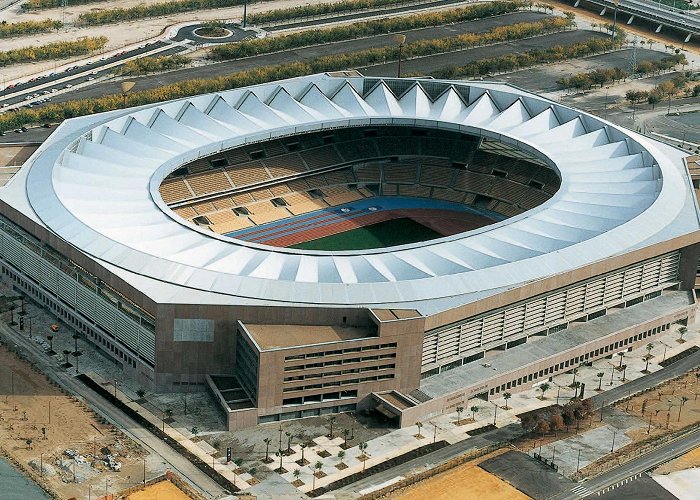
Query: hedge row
[(586, 80), (52, 4), (108, 16), (145, 65), (61, 111), (363, 29), (55, 50), (513, 62), (28, 27), (320, 9)]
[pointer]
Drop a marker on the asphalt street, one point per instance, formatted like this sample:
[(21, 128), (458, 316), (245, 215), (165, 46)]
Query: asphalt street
[(644, 463)]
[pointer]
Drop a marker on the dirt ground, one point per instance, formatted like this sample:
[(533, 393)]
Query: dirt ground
[(662, 406), (29, 403), (464, 481), (164, 490), (688, 461)]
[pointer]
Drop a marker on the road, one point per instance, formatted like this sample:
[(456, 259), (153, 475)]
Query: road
[(173, 460), (656, 12), (644, 463), (307, 53), (93, 68)]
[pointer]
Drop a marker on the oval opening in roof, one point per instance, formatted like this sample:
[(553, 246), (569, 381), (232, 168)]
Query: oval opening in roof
[(358, 188)]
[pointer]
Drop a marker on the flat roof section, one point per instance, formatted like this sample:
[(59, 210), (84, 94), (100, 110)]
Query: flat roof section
[(281, 336), (394, 314), (533, 352)]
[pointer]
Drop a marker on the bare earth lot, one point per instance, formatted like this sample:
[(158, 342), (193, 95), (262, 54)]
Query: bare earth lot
[(25, 398)]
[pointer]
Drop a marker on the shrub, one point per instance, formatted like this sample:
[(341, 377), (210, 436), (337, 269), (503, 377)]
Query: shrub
[(153, 64), (54, 50), (28, 27), (419, 48)]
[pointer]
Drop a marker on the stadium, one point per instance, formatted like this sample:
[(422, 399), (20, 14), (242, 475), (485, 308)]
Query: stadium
[(338, 243)]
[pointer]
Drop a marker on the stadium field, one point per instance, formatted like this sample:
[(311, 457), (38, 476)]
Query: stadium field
[(383, 234)]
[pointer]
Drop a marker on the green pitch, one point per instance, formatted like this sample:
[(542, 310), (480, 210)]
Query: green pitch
[(381, 235)]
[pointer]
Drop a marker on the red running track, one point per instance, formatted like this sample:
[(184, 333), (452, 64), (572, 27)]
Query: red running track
[(444, 222)]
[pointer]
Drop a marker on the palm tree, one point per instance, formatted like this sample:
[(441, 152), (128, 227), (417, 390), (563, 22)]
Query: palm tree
[(363, 448), (319, 467), (646, 358), (346, 434), (341, 456), (600, 379), (419, 425), (30, 441), (622, 357), (474, 409), (267, 450), (289, 442), (140, 393), (303, 447), (331, 420), (296, 474), (507, 396), (195, 431), (624, 369), (460, 409), (681, 331), (684, 400), (574, 371), (544, 388), (280, 453), (649, 347)]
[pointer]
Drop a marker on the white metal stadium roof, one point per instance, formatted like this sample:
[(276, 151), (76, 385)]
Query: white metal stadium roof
[(95, 184)]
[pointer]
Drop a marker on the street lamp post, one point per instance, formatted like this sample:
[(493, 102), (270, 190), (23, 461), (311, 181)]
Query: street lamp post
[(612, 36), (126, 87), (245, 13), (401, 40)]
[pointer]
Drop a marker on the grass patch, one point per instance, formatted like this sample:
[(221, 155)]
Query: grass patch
[(381, 235)]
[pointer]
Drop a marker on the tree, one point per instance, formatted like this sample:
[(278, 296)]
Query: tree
[(600, 380), (647, 357), (635, 97), (575, 372), (420, 426), (267, 450), (319, 467), (30, 441), (296, 474), (624, 370), (169, 412), (141, 393), (194, 431), (363, 448), (346, 434), (556, 423), (542, 426), (507, 396), (331, 420), (653, 99), (280, 453), (474, 410), (460, 409), (681, 331), (289, 441), (684, 400), (341, 456), (544, 388)]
